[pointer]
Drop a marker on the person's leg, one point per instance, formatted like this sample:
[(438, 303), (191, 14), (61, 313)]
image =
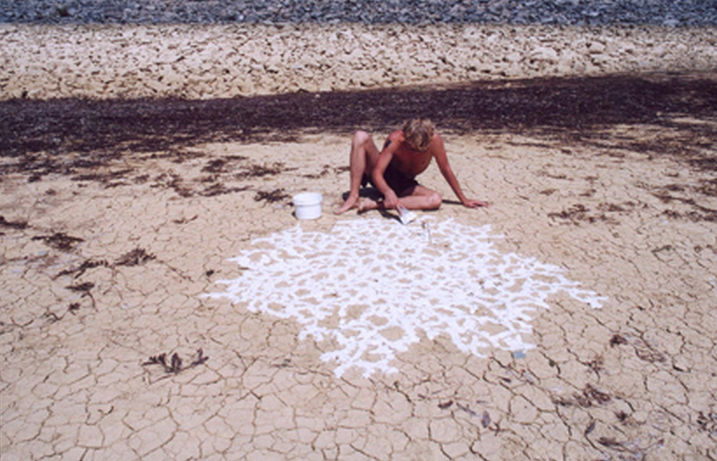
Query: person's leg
[(364, 155), (416, 198), (421, 198)]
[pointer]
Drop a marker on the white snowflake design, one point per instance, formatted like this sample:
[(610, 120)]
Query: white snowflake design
[(373, 286)]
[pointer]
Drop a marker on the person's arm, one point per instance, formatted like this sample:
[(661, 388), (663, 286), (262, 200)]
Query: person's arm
[(439, 153), (390, 199)]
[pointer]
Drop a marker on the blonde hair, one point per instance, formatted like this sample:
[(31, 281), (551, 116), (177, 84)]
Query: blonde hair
[(418, 133)]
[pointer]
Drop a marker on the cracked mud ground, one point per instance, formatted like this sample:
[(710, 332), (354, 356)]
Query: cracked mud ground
[(117, 216)]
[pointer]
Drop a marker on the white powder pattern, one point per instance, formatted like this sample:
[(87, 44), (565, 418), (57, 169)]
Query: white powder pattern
[(372, 286)]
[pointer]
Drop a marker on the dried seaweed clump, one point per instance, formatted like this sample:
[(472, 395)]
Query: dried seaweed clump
[(277, 195), (60, 241), (617, 339), (77, 272), (215, 166), (13, 224), (326, 169), (579, 212), (707, 422), (220, 189), (589, 397), (135, 257), (105, 177), (221, 165), (258, 171), (84, 287), (175, 362)]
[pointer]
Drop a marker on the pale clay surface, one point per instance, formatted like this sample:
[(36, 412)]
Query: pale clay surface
[(74, 387), (632, 380)]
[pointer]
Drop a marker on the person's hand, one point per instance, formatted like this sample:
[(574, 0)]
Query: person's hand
[(474, 203), (390, 200)]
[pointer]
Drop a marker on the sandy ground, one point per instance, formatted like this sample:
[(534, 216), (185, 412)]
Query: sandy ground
[(104, 267)]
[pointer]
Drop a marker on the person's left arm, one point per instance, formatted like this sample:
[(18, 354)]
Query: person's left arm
[(439, 153)]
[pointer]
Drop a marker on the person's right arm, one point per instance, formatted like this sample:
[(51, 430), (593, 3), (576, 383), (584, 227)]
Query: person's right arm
[(390, 199)]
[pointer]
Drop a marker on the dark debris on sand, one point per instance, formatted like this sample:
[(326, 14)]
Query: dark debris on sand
[(136, 257), (60, 241), (19, 225), (76, 137), (569, 108), (276, 195)]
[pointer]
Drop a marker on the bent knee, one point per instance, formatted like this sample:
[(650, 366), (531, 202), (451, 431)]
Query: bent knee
[(361, 137), (434, 201)]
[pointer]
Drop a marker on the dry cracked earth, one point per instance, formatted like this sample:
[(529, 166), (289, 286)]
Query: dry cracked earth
[(117, 217)]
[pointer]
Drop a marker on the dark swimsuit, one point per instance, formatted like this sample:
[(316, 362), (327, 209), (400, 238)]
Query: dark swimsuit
[(396, 180)]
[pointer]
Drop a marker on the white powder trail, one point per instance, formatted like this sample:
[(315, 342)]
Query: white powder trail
[(372, 286)]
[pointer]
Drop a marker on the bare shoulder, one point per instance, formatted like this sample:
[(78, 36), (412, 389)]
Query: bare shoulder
[(436, 145), (395, 139), (397, 136)]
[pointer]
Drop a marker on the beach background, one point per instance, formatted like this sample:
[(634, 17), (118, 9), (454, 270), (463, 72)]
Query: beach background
[(143, 150)]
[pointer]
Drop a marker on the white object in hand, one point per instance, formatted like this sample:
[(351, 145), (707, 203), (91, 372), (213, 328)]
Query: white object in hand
[(407, 216)]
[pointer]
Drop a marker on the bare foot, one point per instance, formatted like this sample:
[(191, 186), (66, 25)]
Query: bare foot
[(351, 202), (366, 204)]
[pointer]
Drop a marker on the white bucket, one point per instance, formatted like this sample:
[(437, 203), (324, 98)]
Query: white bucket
[(308, 205)]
